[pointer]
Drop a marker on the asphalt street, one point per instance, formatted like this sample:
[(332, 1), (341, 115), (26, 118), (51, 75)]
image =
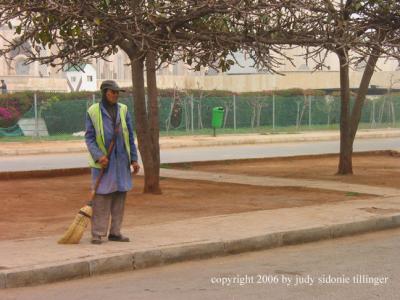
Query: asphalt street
[(359, 267), (75, 160)]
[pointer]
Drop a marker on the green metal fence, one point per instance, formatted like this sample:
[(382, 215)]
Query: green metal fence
[(190, 115)]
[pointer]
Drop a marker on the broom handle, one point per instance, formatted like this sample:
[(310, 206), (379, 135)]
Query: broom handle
[(110, 148)]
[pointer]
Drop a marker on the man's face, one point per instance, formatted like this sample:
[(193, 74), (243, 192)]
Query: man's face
[(112, 96)]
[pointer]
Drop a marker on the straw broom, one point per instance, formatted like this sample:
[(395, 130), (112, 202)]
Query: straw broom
[(75, 231)]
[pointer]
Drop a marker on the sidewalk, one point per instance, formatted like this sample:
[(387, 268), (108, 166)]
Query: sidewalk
[(27, 148), (282, 182), (41, 260)]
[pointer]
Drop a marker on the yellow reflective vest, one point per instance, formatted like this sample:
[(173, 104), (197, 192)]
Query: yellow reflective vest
[(94, 112)]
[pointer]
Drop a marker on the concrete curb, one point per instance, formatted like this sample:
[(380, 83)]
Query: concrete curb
[(207, 142), (284, 138), (129, 261), (13, 152)]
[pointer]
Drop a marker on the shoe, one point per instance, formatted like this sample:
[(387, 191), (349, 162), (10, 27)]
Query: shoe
[(118, 238), (96, 240)]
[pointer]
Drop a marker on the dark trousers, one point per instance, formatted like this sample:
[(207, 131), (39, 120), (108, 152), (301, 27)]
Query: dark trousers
[(105, 206)]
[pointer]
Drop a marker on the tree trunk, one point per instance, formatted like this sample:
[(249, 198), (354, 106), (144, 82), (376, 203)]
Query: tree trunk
[(253, 115), (200, 120), (259, 108), (298, 115), (393, 114), (349, 123), (346, 145), (226, 114), (148, 148), (152, 177), (362, 92), (303, 109)]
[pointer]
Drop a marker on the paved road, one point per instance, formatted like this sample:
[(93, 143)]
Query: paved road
[(73, 160), (360, 267)]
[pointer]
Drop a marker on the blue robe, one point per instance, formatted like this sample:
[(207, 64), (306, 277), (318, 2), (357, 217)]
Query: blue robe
[(117, 176)]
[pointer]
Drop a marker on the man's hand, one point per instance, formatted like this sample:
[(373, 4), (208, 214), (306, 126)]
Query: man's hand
[(135, 167), (103, 161)]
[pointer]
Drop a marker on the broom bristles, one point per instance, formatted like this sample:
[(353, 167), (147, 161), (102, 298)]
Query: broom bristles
[(75, 231)]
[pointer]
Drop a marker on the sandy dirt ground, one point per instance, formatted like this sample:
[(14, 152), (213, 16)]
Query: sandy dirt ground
[(44, 206), (380, 169)]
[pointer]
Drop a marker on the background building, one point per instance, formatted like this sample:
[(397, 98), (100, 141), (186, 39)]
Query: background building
[(82, 78), (244, 78)]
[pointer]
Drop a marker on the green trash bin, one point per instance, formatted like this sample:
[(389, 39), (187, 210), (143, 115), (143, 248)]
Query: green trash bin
[(217, 118)]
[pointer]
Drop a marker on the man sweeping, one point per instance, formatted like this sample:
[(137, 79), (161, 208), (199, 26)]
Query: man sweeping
[(106, 123)]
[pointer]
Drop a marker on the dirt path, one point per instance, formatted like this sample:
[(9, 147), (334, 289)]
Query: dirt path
[(45, 206)]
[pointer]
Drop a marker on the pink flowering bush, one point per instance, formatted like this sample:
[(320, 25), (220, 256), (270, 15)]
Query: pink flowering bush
[(9, 116), (13, 106)]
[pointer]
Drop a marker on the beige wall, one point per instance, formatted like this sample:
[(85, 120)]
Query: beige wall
[(24, 83), (260, 82), (234, 83), (300, 64)]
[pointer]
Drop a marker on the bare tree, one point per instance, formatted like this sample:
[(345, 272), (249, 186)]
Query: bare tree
[(257, 104), (306, 103)]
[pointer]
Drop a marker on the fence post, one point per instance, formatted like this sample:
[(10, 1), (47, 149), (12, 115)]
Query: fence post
[(93, 98), (373, 123), (187, 124), (234, 112), (36, 115), (309, 111), (146, 100), (192, 112), (273, 111)]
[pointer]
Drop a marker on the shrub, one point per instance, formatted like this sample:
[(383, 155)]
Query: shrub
[(9, 116)]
